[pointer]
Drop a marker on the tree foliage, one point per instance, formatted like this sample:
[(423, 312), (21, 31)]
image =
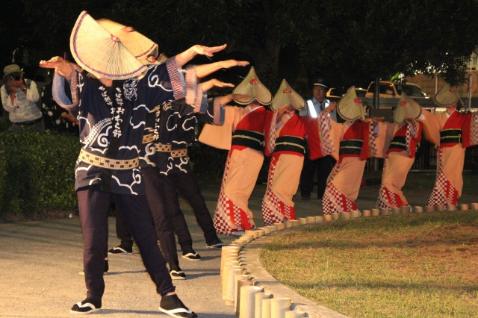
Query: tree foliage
[(348, 42)]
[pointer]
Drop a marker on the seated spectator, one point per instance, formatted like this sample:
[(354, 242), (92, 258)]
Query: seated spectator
[(20, 99)]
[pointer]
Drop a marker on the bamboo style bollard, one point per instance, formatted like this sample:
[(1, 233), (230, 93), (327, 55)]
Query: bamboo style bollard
[(248, 301), (258, 300), (279, 306)]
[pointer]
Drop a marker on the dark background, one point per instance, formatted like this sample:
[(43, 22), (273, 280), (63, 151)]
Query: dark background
[(347, 42)]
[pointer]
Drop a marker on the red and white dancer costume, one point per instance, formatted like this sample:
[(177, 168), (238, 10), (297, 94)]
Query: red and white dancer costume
[(457, 131), (401, 141), (284, 137), (243, 135), (400, 157), (351, 139)]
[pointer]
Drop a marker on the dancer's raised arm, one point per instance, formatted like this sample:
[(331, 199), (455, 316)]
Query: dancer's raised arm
[(205, 86), (207, 69), (185, 57), (60, 65)]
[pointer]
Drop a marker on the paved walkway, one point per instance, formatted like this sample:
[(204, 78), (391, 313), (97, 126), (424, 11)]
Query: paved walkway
[(39, 275), (40, 262)]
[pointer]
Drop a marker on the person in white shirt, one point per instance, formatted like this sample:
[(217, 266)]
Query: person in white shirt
[(324, 165), (20, 98)]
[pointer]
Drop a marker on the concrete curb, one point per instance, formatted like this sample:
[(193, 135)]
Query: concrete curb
[(255, 293)]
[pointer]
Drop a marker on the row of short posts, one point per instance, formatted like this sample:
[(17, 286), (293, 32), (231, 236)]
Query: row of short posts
[(403, 210), (239, 287), (244, 293)]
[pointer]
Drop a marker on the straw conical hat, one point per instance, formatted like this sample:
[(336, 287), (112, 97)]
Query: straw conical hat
[(250, 89), (407, 108), (446, 96), (286, 95), (135, 42), (101, 53), (350, 106)]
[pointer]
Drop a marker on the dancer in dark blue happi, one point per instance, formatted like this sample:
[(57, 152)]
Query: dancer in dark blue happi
[(112, 99)]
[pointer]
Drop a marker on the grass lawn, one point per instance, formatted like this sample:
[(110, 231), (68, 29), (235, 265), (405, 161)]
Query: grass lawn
[(398, 266)]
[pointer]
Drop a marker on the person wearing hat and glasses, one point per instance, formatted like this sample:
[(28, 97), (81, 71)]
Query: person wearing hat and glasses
[(19, 98), (314, 106)]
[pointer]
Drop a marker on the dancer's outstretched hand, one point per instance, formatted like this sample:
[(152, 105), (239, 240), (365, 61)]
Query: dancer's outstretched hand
[(63, 67), (205, 86), (208, 51), (233, 63)]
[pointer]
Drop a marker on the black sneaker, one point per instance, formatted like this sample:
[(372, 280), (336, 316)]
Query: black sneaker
[(215, 244), (86, 306), (177, 274), (174, 307), (121, 250), (192, 256)]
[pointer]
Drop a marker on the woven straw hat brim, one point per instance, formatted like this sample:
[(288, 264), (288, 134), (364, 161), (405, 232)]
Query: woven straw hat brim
[(406, 108), (251, 89), (95, 50), (347, 108), (138, 44), (286, 95), (242, 99), (445, 101), (445, 97)]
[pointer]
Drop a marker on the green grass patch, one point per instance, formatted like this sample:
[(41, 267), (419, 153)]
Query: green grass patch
[(398, 266)]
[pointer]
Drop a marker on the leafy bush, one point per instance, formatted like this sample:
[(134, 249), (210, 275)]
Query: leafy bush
[(36, 172)]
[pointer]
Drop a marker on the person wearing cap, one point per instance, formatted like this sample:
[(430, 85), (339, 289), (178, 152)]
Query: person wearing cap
[(322, 166), (20, 99), (112, 103), (351, 149), (243, 135), (453, 131), (399, 141), (284, 139)]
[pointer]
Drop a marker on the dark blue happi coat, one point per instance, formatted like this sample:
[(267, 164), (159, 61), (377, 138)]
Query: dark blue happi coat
[(112, 122), (177, 127)]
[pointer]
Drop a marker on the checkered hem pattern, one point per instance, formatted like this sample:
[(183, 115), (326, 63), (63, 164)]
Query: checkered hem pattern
[(474, 129), (373, 135), (273, 208), (228, 216), (444, 194), (389, 200), (325, 129), (334, 201)]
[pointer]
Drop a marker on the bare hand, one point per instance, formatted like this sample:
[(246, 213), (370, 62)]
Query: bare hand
[(233, 63), (61, 66), (205, 86), (208, 51)]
